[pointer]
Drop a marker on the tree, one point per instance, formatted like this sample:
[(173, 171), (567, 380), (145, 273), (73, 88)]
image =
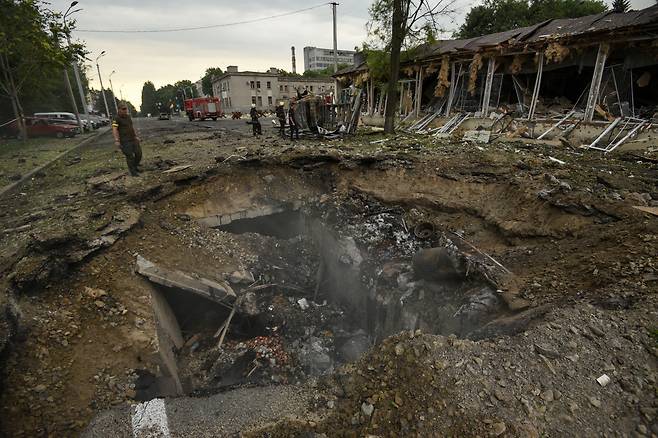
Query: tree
[(621, 5), (206, 80), (394, 23), (501, 15), (149, 99), (31, 50)]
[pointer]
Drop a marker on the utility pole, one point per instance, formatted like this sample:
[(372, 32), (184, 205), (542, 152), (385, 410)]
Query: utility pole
[(67, 82), (114, 97), (333, 8), (107, 109)]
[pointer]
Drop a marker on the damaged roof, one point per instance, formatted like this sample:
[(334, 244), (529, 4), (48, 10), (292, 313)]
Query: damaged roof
[(551, 29), (363, 66)]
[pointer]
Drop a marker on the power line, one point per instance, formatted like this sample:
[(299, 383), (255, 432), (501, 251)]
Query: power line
[(211, 26)]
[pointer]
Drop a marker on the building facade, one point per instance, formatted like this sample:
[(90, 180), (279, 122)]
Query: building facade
[(316, 58), (239, 90)]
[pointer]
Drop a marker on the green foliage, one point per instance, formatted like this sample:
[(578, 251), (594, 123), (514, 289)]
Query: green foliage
[(379, 64), (206, 81), (33, 55), (420, 25), (149, 99), (621, 5), (501, 15)]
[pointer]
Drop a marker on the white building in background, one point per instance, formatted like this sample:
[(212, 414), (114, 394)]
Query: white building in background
[(238, 90), (316, 58)]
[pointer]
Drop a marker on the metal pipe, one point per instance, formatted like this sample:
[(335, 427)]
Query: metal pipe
[(605, 132), (556, 125), (631, 132), (535, 92), (595, 86)]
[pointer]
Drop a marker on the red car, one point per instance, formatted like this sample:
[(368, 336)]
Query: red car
[(37, 127)]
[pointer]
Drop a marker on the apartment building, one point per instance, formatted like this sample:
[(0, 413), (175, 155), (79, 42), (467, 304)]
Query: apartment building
[(316, 58), (239, 90)]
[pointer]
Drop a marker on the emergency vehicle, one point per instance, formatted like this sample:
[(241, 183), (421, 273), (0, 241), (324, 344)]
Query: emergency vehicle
[(203, 108)]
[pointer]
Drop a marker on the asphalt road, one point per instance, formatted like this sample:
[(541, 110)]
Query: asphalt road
[(219, 415)]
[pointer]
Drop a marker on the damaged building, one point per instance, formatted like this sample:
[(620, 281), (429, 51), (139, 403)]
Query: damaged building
[(590, 80)]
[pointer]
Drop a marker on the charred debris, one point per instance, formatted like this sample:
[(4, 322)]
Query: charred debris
[(329, 284)]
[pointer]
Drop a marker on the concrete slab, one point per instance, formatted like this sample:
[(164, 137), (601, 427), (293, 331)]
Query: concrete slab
[(212, 290)]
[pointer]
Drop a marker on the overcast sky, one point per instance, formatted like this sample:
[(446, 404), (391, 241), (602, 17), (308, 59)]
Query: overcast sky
[(165, 58)]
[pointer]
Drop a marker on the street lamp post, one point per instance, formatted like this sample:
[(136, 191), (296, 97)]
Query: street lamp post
[(114, 97), (107, 109), (67, 82)]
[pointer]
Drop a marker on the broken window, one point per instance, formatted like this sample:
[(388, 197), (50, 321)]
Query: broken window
[(257, 84), (269, 100), (253, 100)]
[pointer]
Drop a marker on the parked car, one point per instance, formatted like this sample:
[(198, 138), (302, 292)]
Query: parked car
[(164, 116), (39, 127), (65, 116)]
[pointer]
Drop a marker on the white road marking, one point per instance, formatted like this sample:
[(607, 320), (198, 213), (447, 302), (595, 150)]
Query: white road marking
[(149, 419)]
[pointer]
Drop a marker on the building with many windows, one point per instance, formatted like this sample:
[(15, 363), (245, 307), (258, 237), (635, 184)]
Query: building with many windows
[(316, 58), (239, 90)]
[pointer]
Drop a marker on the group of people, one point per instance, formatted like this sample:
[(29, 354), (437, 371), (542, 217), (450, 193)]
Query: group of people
[(127, 141), (281, 115)]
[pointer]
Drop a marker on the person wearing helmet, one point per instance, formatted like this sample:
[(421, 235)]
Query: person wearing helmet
[(281, 115), (255, 123), (291, 119)]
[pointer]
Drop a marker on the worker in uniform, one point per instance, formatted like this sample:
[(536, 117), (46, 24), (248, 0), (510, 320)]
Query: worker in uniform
[(255, 123), (281, 115), (126, 139), (291, 119)]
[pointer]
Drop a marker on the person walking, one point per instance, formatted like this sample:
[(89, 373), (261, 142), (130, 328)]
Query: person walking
[(291, 119), (281, 115), (126, 139), (255, 123)]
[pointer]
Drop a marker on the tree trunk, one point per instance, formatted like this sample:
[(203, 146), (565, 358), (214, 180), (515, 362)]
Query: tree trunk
[(13, 97), (396, 44)]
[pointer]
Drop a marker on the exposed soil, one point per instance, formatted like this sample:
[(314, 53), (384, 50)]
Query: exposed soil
[(471, 351)]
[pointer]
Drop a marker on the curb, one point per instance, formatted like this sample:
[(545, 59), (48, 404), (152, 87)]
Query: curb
[(7, 189)]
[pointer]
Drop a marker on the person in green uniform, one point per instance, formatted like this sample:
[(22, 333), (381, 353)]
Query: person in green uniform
[(126, 139)]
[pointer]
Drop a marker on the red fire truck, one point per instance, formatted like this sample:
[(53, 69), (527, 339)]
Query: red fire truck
[(203, 108)]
